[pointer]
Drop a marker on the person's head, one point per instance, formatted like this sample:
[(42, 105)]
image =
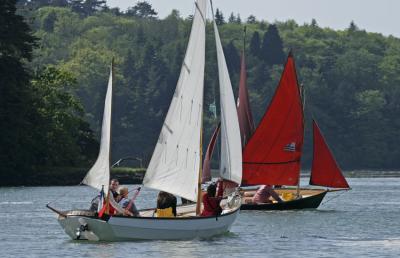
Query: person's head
[(211, 190), (123, 191), (114, 184)]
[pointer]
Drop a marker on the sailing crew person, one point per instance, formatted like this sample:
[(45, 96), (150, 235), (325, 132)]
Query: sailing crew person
[(263, 195), (113, 189), (166, 205), (127, 204), (211, 201), (114, 185)]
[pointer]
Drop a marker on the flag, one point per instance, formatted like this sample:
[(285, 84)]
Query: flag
[(290, 147), (101, 200)]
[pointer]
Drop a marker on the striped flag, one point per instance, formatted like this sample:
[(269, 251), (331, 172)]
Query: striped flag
[(290, 147)]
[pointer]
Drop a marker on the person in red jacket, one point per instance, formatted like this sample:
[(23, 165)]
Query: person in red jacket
[(211, 201)]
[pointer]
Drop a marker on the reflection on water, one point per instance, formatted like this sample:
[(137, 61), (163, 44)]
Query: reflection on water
[(363, 222)]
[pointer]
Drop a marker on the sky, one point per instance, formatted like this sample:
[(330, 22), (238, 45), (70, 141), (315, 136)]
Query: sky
[(380, 16)]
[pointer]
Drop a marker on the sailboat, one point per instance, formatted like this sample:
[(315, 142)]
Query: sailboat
[(273, 153), (175, 166)]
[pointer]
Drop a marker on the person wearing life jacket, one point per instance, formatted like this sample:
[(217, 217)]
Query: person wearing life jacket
[(166, 205), (211, 201)]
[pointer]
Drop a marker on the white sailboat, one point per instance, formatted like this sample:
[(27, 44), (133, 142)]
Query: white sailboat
[(176, 162)]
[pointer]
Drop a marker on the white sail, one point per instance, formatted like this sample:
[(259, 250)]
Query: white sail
[(174, 166), (231, 147), (99, 174)]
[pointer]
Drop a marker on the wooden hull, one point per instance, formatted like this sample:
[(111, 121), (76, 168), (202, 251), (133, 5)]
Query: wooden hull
[(309, 201)]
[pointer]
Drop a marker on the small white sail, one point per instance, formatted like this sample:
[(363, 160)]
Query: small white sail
[(174, 166), (231, 147), (99, 174)]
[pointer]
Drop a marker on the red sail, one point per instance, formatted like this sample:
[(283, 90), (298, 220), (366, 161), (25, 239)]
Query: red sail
[(272, 156), (206, 175), (325, 171), (246, 122)]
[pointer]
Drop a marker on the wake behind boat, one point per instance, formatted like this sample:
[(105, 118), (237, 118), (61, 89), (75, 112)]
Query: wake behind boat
[(175, 166)]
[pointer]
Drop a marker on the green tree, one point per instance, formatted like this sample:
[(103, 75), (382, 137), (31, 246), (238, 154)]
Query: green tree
[(87, 7), (272, 46), (251, 19), (64, 138), (142, 10), (232, 59), (219, 18), (18, 119), (255, 44), (232, 18)]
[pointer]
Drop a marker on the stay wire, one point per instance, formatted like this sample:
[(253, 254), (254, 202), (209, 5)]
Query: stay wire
[(63, 195), (334, 197)]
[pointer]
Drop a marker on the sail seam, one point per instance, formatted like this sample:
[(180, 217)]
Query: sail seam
[(271, 163)]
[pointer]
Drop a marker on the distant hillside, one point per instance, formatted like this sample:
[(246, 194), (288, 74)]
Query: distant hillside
[(351, 77)]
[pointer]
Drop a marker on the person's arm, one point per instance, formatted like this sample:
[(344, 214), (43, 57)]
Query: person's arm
[(274, 195), (116, 206)]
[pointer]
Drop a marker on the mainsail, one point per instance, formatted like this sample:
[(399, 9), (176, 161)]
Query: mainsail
[(325, 171), (246, 122), (272, 155), (231, 148), (99, 175), (174, 166), (206, 175)]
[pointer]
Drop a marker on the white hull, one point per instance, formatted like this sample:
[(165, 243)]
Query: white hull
[(119, 228)]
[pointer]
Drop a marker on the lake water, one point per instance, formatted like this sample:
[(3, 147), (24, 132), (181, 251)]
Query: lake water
[(364, 222)]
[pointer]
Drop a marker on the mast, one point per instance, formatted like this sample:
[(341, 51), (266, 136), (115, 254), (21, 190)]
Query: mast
[(303, 97), (199, 199), (109, 153), (112, 107)]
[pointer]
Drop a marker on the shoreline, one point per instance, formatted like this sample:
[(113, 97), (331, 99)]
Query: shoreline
[(135, 176)]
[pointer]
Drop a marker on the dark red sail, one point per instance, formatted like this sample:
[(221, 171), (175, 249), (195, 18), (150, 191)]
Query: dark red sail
[(272, 156), (246, 122), (206, 175), (325, 171)]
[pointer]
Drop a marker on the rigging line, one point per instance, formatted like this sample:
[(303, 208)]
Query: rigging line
[(212, 9), (63, 195), (201, 14), (334, 197)]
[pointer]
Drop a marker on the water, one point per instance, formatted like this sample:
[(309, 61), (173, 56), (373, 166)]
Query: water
[(364, 222)]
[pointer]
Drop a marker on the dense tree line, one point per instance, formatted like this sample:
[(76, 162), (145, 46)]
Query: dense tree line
[(351, 78), (42, 121)]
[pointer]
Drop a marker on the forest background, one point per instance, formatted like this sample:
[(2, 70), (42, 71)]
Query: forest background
[(54, 66)]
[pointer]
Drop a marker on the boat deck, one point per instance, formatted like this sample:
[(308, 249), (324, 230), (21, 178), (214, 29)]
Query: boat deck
[(283, 193)]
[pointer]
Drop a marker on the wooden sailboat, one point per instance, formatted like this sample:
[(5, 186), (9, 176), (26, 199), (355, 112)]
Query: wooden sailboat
[(175, 166), (272, 155)]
